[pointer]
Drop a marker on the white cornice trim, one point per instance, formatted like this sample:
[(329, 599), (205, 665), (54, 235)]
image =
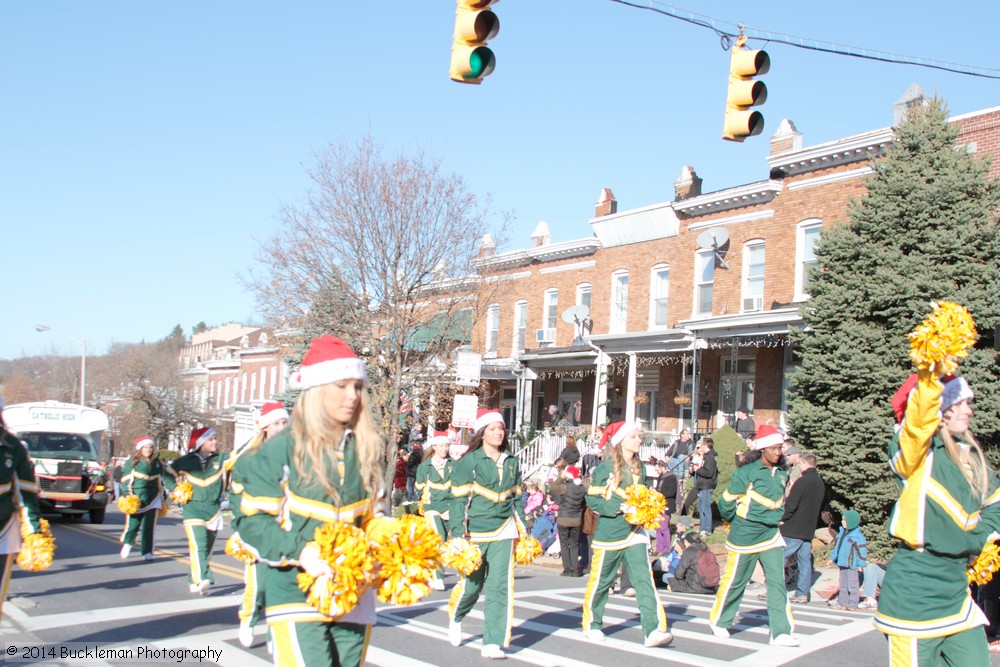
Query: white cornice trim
[(831, 178), (743, 195), (832, 153), (569, 267), (747, 324), (544, 253), (510, 276), (732, 220)]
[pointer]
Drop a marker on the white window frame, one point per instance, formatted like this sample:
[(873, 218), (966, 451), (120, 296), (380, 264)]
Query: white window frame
[(700, 259), (801, 258), (492, 329), (520, 338), (659, 290), (583, 294), (618, 322), (752, 286), (550, 308)]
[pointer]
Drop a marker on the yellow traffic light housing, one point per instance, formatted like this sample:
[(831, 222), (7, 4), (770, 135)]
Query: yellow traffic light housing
[(745, 92), (475, 24)]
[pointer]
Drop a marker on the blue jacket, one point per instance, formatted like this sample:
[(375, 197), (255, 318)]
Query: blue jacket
[(850, 549)]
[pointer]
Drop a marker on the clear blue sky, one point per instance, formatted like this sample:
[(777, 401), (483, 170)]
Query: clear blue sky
[(147, 147)]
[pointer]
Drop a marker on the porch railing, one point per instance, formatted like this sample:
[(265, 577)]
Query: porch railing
[(540, 452)]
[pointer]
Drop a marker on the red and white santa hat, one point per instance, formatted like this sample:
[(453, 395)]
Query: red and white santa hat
[(271, 412), (143, 441), (573, 472), (329, 359), (956, 389), (438, 438), (616, 432), (767, 436), (199, 437), (485, 417)]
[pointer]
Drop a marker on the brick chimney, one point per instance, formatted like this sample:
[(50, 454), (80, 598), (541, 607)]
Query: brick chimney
[(786, 138), (687, 185), (913, 97), (541, 235), (487, 247), (606, 204)]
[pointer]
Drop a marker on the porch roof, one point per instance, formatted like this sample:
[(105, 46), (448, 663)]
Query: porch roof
[(645, 342), (776, 321)]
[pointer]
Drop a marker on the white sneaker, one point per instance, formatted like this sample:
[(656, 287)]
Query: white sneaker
[(594, 635), (147, 556), (126, 550), (437, 585), (455, 633), (721, 633), (493, 652), (204, 586), (246, 634), (194, 588), (784, 640), (657, 638)]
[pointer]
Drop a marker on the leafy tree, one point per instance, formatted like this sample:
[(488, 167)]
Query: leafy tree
[(926, 230)]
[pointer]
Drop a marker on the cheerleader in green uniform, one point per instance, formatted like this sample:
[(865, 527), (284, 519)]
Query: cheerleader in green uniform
[(486, 508), (753, 504), (142, 478), (273, 418), (434, 486), (616, 540), (326, 468), (947, 511)]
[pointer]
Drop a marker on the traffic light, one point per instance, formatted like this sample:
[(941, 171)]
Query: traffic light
[(475, 24), (745, 92)]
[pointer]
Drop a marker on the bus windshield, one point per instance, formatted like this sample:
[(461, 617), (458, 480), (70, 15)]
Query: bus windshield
[(73, 446)]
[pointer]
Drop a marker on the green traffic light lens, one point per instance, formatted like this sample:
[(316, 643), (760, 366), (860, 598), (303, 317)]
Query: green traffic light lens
[(481, 62)]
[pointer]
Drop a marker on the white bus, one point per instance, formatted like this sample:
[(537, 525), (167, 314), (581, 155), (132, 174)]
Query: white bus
[(66, 444)]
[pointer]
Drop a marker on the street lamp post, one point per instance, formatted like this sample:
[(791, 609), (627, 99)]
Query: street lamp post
[(83, 358)]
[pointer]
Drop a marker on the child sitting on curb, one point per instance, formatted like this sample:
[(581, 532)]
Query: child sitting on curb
[(850, 554)]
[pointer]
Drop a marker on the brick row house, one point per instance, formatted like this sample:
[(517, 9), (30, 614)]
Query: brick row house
[(678, 313)]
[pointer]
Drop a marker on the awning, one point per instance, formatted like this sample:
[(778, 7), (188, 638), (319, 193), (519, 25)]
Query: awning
[(452, 327)]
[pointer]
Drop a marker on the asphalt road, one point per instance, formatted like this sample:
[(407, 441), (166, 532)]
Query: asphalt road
[(90, 598)]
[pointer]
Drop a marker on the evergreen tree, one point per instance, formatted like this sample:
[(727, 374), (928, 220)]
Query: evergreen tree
[(926, 230)]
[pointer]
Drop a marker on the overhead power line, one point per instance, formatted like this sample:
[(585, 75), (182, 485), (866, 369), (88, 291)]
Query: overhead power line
[(728, 32)]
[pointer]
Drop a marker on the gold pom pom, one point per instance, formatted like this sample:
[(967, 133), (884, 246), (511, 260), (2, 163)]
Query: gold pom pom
[(237, 548), (987, 563), (646, 506), (183, 492), (407, 560), (526, 549), (37, 549), (129, 504), (943, 337), (345, 547), (462, 555), (164, 508)]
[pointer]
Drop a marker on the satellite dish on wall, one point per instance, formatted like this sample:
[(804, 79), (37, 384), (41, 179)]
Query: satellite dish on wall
[(715, 239), (579, 316)]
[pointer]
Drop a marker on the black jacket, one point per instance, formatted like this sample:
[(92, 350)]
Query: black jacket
[(571, 504), (412, 463), (667, 485), (707, 476), (803, 505), (570, 454), (686, 578)]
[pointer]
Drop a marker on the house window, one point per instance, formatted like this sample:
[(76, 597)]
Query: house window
[(619, 302), (520, 325), (659, 286), (551, 314), (736, 385), (492, 329), (583, 295), (805, 255), (753, 276), (704, 279)]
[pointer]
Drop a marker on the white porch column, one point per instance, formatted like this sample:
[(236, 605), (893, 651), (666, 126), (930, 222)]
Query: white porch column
[(525, 389), (630, 391), (600, 411)]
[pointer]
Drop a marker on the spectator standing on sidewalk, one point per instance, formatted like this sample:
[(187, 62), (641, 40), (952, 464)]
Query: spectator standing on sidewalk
[(745, 425), (850, 554), (706, 478), (798, 525), (571, 499), (793, 463)]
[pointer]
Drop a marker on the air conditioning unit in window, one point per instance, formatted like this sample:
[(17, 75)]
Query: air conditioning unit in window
[(545, 335), (753, 303)]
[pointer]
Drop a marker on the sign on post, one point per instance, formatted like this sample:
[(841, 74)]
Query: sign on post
[(467, 369), (463, 410)]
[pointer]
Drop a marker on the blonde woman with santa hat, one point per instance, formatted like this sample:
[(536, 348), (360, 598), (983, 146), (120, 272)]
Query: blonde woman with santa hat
[(946, 513), (616, 541), (272, 420), (204, 468), (327, 467), (141, 477), (753, 504), (486, 508), (434, 486)]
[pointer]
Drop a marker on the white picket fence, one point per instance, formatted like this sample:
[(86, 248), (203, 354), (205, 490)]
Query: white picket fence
[(539, 454)]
